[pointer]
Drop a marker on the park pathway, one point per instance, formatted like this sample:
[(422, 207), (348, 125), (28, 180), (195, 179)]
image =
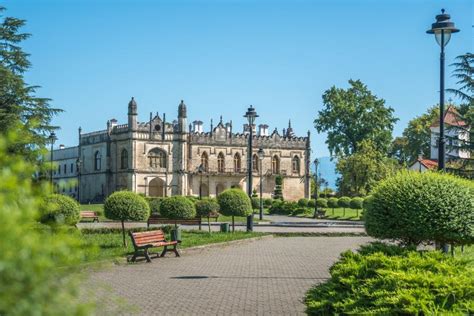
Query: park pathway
[(262, 277)]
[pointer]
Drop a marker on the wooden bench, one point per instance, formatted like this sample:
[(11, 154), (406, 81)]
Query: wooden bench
[(90, 214), (157, 220), (142, 241)]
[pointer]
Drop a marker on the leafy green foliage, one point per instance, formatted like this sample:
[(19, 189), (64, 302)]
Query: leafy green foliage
[(234, 202), (389, 280), (60, 209), (367, 201), (207, 207), (278, 192), (126, 206), (357, 203), (311, 203), (414, 207), (178, 207), (363, 169), (322, 202), (303, 202), (154, 204), (283, 207), (333, 202), (255, 203), (353, 115), (344, 201), (267, 202), (34, 279)]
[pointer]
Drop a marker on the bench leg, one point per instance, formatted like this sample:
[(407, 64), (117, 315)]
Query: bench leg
[(175, 250), (165, 250), (147, 256), (134, 257)]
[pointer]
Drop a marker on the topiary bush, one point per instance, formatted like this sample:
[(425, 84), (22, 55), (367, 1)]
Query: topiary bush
[(278, 193), (333, 203), (367, 201), (192, 198), (311, 203), (154, 204), (389, 280), (207, 207), (323, 203), (357, 204), (60, 209), (234, 202), (255, 203), (126, 206), (344, 202), (267, 202), (178, 207), (283, 207), (415, 207), (303, 202)]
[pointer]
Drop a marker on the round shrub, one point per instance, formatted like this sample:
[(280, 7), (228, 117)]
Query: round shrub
[(154, 204), (344, 202), (234, 202), (126, 206), (207, 207), (255, 203), (60, 209), (177, 207), (415, 207), (303, 202), (367, 201), (333, 202), (299, 211), (267, 202), (192, 198), (322, 202), (357, 203), (311, 203)]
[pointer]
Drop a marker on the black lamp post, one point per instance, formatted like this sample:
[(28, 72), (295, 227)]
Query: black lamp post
[(442, 30), (78, 169), (200, 171), (251, 115), (261, 154), (52, 139), (316, 162)]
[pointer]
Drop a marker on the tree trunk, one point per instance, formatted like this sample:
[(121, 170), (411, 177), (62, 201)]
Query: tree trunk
[(209, 224), (233, 224), (123, 235)]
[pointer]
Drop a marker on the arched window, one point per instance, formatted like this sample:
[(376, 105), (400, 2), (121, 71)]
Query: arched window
[(97, 160), (124, 159), (157, 158), (237, 162), (205, 161), (275, 165), (295, 164), (255, 163), (220, 162)]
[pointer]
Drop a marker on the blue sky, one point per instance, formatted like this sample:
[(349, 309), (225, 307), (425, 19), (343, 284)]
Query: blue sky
[(90, 57)]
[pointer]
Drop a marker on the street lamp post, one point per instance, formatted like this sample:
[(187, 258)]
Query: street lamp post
[(442, 30), (52, 139), (260, 158), (316, 162), (200, 171), (78, 169), (251, 115)]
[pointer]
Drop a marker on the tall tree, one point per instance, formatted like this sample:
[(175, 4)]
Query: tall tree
[(353, 115), (20, 109), (363, 169)]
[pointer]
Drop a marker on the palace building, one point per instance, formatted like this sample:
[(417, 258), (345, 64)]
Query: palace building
[(161, 158)]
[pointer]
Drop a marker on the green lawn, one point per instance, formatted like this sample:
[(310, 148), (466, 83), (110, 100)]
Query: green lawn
[(338, 213), (467, 254), (108, 245)]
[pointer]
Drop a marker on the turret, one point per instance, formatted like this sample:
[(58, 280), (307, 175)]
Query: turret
[(132, 115), (289, 130), (182, 117)]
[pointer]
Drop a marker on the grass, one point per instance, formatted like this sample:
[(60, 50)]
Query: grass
[(338, 213), (467, 254), (99, 208), (108, 245)]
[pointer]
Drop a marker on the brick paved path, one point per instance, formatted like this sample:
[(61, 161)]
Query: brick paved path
[(263, 277)]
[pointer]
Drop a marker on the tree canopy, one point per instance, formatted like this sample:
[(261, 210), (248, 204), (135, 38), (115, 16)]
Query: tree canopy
[(353, 115)]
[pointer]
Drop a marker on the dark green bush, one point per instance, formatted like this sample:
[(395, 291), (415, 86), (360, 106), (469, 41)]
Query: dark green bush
[(322, 202), (234, 202), (207, 207), (333, 202), (389, 280), (267, 202), (357, 203), (192, 198), (154, 204), (278, 193), (60, 209), (178, 207), (344, 201), (255, 203), (311, 203), (415, 207), (283, 207), (303, 202), (367, 201), (300, 210)]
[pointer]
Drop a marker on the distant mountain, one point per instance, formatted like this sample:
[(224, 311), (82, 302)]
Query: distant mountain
[(327, 169)]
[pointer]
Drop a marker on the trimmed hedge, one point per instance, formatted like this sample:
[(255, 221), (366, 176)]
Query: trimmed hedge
[(60, 209), (126, 206), (415, 207), (255, 203), (389, 280), (234, 202), (267, 202), (311, 203), (177, 207), (333, 202), (303, 202), (207, 207), (344, 202), (322, 202), (357, 203), (283, 207)]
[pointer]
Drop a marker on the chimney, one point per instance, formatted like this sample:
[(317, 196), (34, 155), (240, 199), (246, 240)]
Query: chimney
[(263, 130), (113, 123), (197, 127), (247, 128)]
